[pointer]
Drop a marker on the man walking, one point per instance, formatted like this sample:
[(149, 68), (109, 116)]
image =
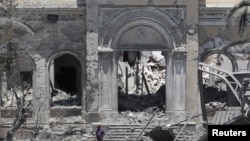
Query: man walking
[(99, 133)]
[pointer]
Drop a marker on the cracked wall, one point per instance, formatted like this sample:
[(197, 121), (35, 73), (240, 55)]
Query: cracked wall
[(215, 35), (185, 41), (52, 38), (63, 31)]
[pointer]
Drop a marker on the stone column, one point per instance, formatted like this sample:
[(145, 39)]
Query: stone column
[(92, 70), (41, 93), (108, 83), (175, 83), (192, 47)]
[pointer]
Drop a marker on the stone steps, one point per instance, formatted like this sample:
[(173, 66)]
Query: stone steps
[(130, 132)]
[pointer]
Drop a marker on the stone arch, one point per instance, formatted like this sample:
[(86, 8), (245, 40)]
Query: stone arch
[(116, 32), (51, 64), (153, 17), (25, 69), (28, 63), (228, 55), (31, 61), (144, 34)]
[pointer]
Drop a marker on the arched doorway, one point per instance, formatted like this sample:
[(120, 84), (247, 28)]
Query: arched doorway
[(141, 80), (66, 80), (66, 67), (138, 31)]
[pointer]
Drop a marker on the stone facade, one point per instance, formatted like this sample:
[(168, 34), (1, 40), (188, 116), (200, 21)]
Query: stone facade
[(52, 39), (90, 39)]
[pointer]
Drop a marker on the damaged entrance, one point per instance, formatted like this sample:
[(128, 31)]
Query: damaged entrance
[(141, 80), (131, 32), (66, 81), (17, 87)]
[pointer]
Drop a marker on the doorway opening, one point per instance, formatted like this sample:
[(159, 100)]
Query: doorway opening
[(65, 79), (141, 80), (67, 82)]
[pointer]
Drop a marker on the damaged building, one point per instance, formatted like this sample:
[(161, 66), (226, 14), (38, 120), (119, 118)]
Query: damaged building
[(95, 60)]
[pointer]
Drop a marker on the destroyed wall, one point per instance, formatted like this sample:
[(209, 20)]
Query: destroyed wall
[(213, 33), (104, 43), (62, 31), (56, 33)]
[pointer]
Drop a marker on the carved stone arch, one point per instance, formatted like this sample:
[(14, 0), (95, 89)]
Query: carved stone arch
[(162, 29), (171, 25), (230, 57), (30, 60), (58, 54), (142, 34)]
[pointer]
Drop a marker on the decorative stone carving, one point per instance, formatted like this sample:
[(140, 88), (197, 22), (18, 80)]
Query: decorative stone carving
[(142, 29), (154, 20)]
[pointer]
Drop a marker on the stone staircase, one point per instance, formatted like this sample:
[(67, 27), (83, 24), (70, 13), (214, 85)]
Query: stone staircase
[(130, 132)]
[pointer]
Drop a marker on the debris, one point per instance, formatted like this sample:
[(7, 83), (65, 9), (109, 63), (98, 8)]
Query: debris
[(158, 134)]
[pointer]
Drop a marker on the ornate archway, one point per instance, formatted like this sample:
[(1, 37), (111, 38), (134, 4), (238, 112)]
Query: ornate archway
[(141, 29)]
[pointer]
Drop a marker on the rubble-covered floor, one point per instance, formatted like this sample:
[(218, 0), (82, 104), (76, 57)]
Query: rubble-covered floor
[(141, 91)]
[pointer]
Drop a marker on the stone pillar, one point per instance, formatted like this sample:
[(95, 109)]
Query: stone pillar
[(176, 84), (108, 97), (192, 46), (92, 67), (41, 93)]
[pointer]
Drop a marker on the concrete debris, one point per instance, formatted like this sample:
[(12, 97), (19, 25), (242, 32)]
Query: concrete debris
[(9, 100), (158, 134), (140, 103), (213, 94), (128, 117), (145, 138), (61, 98), (151, 64), (212, 107)]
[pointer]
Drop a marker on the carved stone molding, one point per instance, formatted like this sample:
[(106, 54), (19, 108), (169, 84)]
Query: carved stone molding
[(170, 20)]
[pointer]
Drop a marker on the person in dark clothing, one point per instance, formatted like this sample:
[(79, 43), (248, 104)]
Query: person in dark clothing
[(99, 133)]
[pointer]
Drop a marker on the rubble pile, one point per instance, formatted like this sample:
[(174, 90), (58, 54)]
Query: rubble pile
[(150, 65), (140, 103), (141, 81), (218, 61), (61, 98), (9, 99), (213, 94), (129, 125)]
